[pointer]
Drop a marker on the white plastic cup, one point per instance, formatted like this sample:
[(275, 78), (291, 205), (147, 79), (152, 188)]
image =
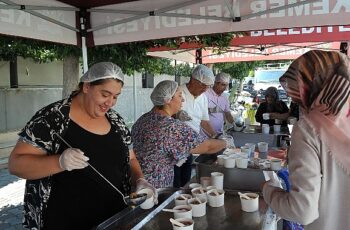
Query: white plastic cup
[(275, 164), (246, 150), (184, 220), (263, 147), (149, 202), (198, 208), (252, 148), (199, 193), (229, 162), (182, 199), (277, 128), (194, 185), (217, 180), (266, 116), (210, 187), (242, 163), (292, 120), (265, 128), (251, 205), (278, 121), (215, 200), (205, 181), (185, 214), (220, 159)]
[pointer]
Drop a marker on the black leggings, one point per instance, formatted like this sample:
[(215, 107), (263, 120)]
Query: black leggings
[(182, 174)]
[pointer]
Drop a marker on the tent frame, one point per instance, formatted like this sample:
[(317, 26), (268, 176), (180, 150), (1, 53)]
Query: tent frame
[(83, 27)]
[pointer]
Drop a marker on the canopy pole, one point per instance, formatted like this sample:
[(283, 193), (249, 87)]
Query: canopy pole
[(134, 95), (83, 40), (84, 52), (199, 56)]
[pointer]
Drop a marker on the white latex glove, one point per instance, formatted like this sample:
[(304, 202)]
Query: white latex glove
[(272, 179), (141, 183), (73, 159), (182, 115), (181, 162), (229, 141)]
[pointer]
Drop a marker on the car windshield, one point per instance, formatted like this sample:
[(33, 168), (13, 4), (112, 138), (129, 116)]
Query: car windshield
[(267, 76)]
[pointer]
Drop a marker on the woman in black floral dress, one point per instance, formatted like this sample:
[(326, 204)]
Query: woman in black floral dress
[(61, 191)]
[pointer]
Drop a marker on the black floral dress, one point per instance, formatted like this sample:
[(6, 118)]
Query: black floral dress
[(41, 132)]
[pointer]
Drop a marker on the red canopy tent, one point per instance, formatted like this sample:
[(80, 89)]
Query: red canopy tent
[(273, 44)]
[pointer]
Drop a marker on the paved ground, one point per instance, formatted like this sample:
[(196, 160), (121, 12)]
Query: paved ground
[(11, 201), (11, 187)]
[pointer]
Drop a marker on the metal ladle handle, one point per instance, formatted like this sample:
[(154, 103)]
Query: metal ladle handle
[(103, 177)]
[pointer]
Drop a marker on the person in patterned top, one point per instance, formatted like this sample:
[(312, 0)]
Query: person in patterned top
[(58, 144), (160, 141)]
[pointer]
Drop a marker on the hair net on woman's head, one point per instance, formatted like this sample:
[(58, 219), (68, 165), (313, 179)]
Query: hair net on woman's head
[(163, 92), (272, 92), (203, 74), (103, 70), (222, 77)]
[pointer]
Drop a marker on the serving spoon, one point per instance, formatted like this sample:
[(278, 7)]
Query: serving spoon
[(177, 223), (132, 200), (174, 210), (244, 196)]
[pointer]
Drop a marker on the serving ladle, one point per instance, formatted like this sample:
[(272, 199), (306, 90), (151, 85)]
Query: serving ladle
[(244, 196), (173, 210), (132, 200), (177, 223)]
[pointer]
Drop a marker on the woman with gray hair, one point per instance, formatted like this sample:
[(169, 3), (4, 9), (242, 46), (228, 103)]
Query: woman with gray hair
[(160, 141)]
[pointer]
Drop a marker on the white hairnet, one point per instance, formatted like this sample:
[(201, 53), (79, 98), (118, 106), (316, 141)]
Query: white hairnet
[(103, 70), (222, 77), (163, 92), (203, 74)]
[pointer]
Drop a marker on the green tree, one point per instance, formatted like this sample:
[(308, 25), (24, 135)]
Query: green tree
[(237, 71)]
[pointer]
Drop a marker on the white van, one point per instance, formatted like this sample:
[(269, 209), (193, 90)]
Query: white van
[(264, 78)]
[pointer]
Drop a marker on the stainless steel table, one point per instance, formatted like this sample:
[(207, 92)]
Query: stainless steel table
[(230, 216), (253, 134)]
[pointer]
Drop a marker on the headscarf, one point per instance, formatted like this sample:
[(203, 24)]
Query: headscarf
[(319, 81), (276, 105), (272, 92)]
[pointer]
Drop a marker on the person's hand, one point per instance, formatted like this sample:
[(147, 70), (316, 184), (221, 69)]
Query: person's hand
[(181, 162), (73, 159), (229, 141), (182, 115), (141, 183), (274, 116)]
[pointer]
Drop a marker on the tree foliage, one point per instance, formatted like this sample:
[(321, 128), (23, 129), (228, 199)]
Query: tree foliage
[(39, 51), (129, 56), (238, 70)]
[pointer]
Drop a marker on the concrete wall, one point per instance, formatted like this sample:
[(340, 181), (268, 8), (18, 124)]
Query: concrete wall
[(31, 73), (17, 106)]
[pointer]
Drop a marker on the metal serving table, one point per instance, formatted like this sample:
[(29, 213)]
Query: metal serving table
[(253, 134), (248, 179), (230, 216)]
